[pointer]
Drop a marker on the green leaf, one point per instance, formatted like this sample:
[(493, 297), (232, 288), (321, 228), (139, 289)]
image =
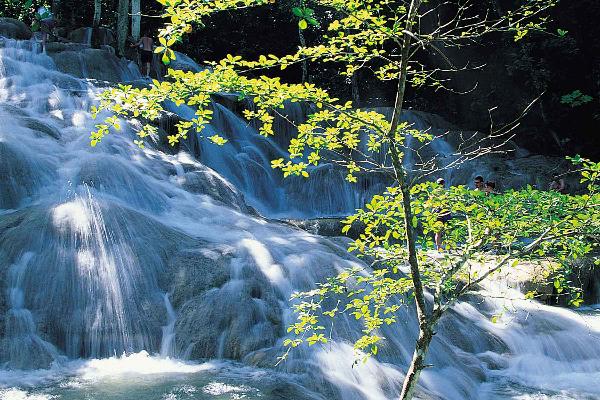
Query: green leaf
[(312, 21), (530, 295), (218, 140), (297, 11)]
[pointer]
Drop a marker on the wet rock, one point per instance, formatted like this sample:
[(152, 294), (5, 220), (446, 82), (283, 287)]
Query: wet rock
[(331, 227), (17, 177), (586, 275), (511, 172), (82, 61), (59, 47), (12, 110), (27, 352), (493, 360), (459, 331), (41, 128), (538, 277), (14, 29), (222, 315), (184, 63), (192, 272), (87, 35), (206, 181)]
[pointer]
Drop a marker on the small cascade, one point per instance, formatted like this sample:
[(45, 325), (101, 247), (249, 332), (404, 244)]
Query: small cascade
[(22, 345), (168, 331), (87, 36), (245, 160)]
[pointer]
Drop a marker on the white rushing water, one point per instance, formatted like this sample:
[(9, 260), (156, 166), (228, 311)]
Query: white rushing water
[(124, 270)]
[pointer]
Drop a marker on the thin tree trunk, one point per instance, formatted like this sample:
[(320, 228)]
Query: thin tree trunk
[(122, 26), (97, 13), (136, 19), (425, 326), (425, 329), (418, 363), (304, 63), (355, 89)]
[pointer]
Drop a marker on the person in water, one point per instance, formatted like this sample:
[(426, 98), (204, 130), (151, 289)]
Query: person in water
[(489, 188), (46, 20), (479, 183), (147, 53), (443, 217), (558, 184)]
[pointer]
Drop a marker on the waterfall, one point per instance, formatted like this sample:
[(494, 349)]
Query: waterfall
[(25, 349), (122, 267), (168, 331)]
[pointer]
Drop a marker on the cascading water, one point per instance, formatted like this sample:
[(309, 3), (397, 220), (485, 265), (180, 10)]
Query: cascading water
[(92, 240), (22, 346), (168, 331)]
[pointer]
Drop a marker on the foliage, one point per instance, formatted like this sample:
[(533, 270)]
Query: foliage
[(306, 16), (576, 98), (38, 18), (21, 9), (360, 35), (485, 235)]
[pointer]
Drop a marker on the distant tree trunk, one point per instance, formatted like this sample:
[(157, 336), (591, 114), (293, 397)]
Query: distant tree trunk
[(96, 23), (97, 13), (496, 7), (304, 62), (136, 19), (56, 8), (122, 26), (355, 89)]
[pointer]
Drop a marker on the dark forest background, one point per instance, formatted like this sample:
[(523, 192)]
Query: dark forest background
[(510, 74)]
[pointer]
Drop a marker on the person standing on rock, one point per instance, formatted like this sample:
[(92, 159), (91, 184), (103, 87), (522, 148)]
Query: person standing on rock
[(147, 52)]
